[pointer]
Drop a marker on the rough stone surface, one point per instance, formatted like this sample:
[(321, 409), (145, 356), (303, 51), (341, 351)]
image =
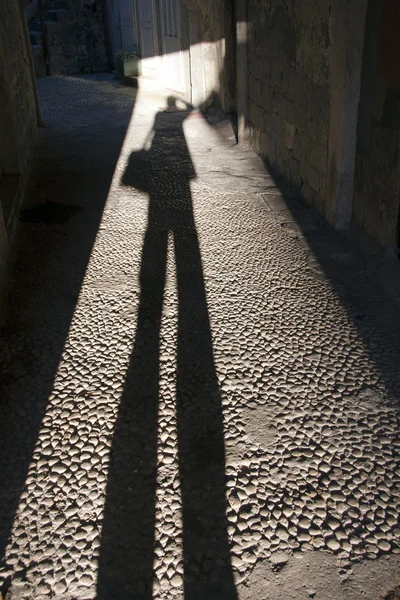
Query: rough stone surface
[(377, 183), (377, 179), (18, 117), (199, 380), (289, 50), (76, 41), (212, 41), (18, 128)]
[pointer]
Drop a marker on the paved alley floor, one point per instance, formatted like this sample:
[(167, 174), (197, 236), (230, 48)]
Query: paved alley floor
[(200, 380)]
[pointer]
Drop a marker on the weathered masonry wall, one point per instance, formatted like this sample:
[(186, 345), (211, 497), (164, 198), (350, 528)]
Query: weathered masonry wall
[(377, 180), (76, 40), (18, 113), (211, 24), (79, 46), (18, 125), (289, 53)]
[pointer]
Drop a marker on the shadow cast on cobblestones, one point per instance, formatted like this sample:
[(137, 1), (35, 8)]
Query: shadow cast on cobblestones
[(127, 550), (318, 393), (50, 266)]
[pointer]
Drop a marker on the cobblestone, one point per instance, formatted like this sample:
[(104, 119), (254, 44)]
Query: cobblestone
[(196, 383)]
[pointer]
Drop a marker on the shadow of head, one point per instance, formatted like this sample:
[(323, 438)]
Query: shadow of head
[(175, 104), (164, 161)]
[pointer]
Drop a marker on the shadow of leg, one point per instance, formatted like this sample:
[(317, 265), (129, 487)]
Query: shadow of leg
[(208, 572), (127, 545)]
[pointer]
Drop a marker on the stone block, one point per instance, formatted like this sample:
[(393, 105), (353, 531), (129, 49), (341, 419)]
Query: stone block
[(322, 186), (257, 140), (319, 157), (312, 176), (308, 193), (295, 178), (278, 127), (3, 266), (290, 131), (259, 117), (267, 147), (267, 97), (256, 90), (297, 143)]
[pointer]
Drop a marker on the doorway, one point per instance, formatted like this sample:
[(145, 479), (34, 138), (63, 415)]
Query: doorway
[(175, 61)]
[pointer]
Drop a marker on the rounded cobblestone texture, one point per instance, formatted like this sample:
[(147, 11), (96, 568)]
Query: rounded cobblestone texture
[(184, 396)]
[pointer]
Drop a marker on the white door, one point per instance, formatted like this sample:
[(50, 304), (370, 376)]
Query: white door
[(173, 58), (148, 49), (128, 37), (122, 25), (115, 26)]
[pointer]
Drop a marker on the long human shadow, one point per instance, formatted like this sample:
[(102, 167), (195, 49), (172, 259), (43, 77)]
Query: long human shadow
[(128, 536)]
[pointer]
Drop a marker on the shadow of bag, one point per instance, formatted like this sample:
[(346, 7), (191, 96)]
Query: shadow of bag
[(138, 171)]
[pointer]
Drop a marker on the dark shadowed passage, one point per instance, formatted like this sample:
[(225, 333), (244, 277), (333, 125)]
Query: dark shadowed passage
[(128, 545)]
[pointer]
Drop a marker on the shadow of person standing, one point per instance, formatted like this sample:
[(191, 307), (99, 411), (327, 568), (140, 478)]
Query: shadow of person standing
[(128, 537)]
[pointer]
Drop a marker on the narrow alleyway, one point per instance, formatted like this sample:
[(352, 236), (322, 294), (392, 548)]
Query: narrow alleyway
[(200, 380)]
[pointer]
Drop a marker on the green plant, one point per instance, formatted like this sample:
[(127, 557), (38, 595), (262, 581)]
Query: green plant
[(125, 54)]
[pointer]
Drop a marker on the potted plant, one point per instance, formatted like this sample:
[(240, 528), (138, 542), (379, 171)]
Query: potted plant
[(128, 63)]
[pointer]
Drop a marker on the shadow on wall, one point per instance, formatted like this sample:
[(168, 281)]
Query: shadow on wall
[(127, 546)]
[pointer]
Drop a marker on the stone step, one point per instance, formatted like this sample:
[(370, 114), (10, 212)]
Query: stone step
[(57, 14), (62, 15), (37, 49), (54, 15), (35, 28), (144, 82), (35, 38), (51, 16), (60, 5)]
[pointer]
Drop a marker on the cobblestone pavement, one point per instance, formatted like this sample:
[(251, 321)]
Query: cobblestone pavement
[(199, 379)]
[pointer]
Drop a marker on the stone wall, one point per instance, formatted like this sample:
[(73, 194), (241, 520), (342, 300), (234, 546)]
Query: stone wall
[(18, 126), (289, 54), (77, 42), (216, 42), (377, 180)]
